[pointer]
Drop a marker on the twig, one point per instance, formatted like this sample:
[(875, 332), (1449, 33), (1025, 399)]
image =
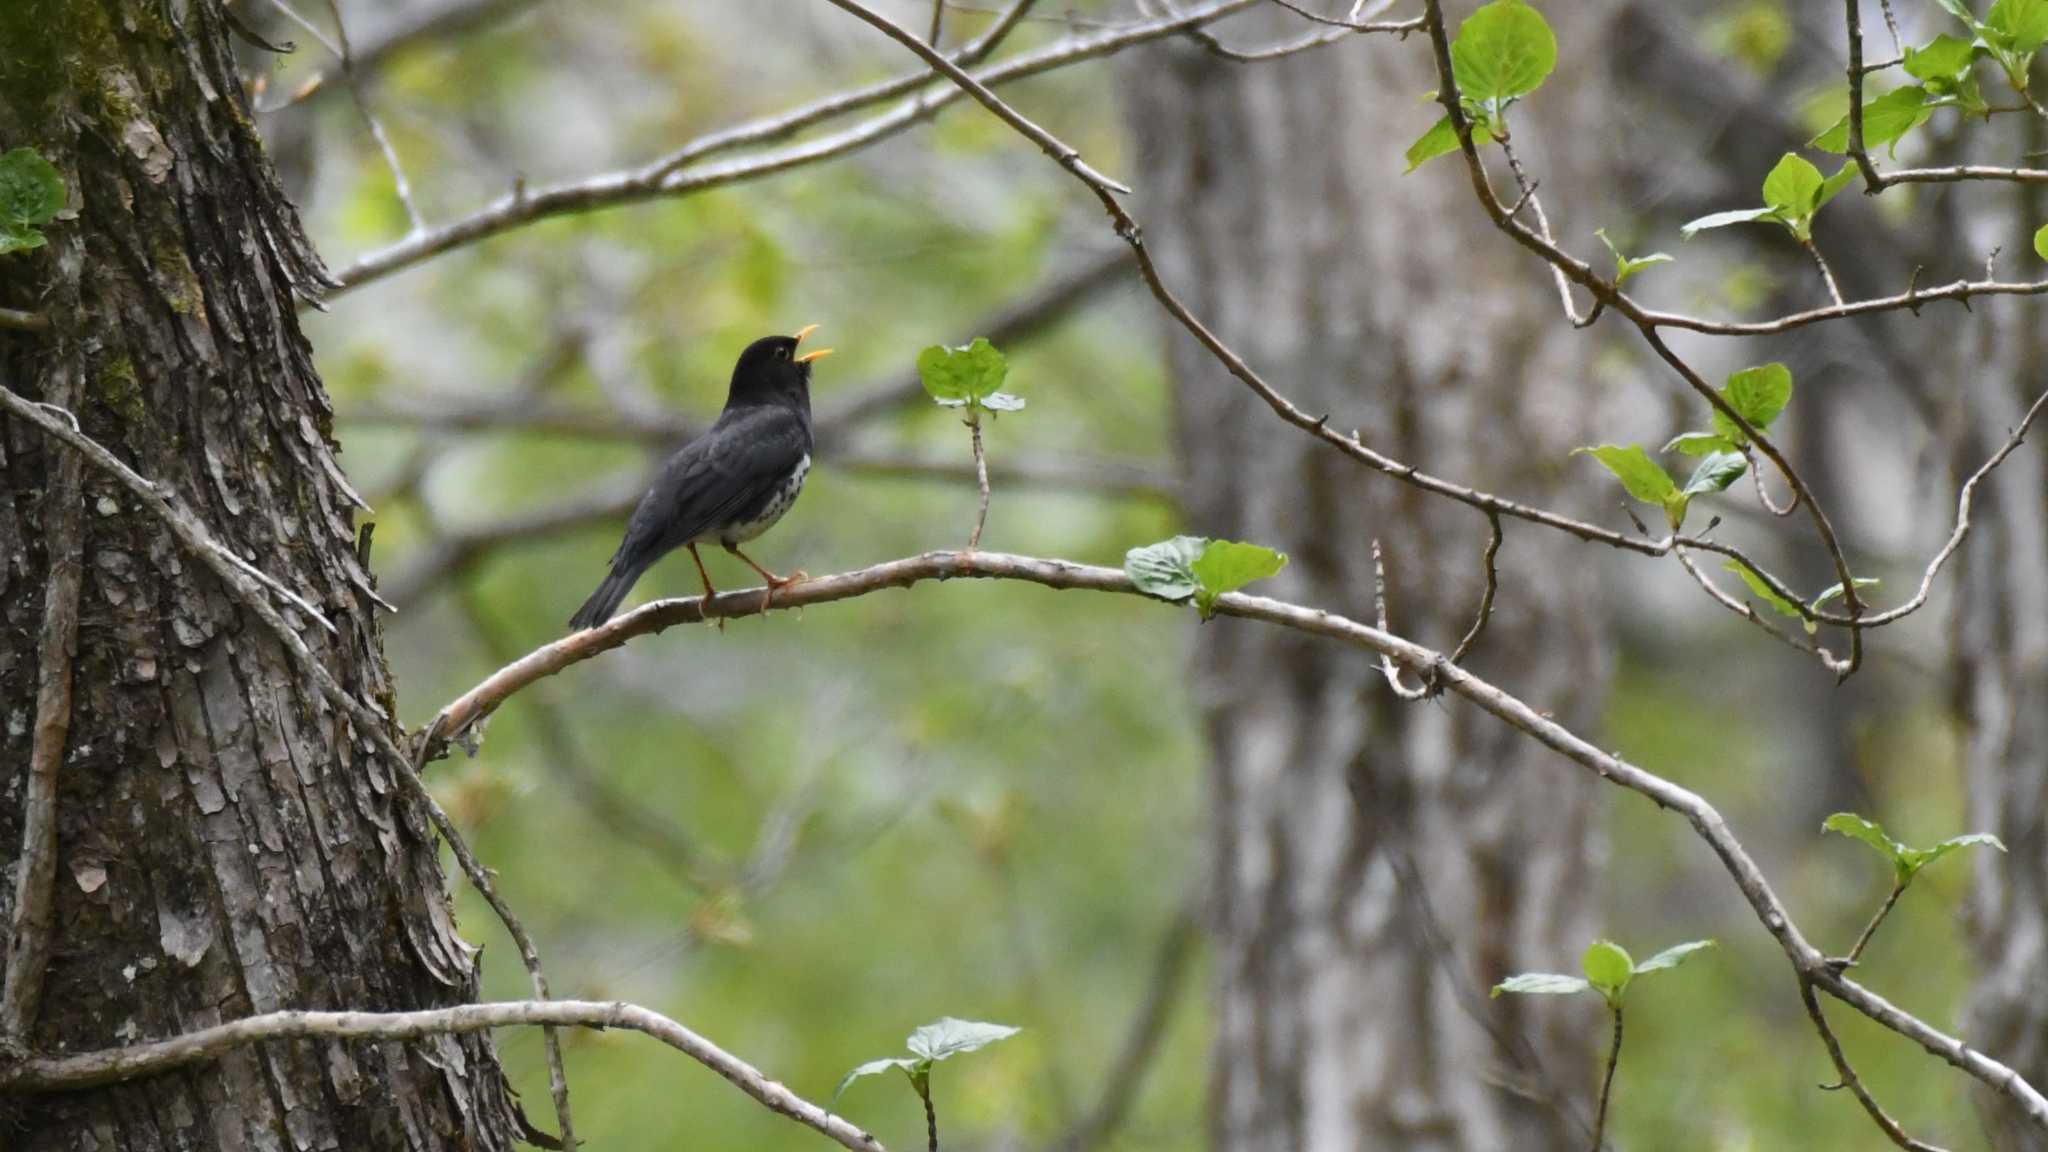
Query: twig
[(1847, 1077), (1827, 274), (1607, 1081), (552, 658), (121, 1065), (1870, 929), (980, 476), (1485, 612), (938, 23), (16, 320), (931, 1121), (1379, 607), (671, 176), (242, 580), (391, 161), (28, 943)]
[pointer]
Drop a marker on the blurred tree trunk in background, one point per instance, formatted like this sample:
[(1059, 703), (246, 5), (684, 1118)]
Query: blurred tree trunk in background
[(226, 844), (1378, 864), (2001, 656)]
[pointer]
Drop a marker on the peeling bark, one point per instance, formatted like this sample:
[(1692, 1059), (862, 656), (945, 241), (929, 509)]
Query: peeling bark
[(226, 843), (1377, 865)]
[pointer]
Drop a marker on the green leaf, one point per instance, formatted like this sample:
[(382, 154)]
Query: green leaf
[(1793, 187), (2017, 25), (1763, 591), (1759, 394), (1627, 266), (15, 238), (871, 1068), (1166, 569), (956, 376), (31, 189), (949, 1037), (1716, 473), (1886, 120), (1870, 832), (1541, 984), (1832, 592), (1002, 402), (1227, 565), (1833, 185), (1504, 50), (1644, 478), (1442, 138), (1673, 956), (2041, 242), (1724, 219), (1914, 859), (1960, 9), (1946, 57), (1698, 444), (1607, 967)]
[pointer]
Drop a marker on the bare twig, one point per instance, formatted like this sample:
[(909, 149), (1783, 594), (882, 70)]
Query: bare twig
[(1379, 607), (1485, 612), (980, 477), (1848, 1078), (1863, 940), (1827, 274), (377, 133), (121, 1065), (673, 175), (552, 658), (28, 942), (1607, 1081), (16, 320)]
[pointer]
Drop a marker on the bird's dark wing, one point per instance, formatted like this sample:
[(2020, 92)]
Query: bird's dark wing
[(728, 470)]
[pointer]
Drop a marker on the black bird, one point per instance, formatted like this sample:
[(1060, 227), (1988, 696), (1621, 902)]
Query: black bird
[(729, 485)]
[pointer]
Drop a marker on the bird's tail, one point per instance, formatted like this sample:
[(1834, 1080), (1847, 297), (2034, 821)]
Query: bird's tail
[(605, 600)]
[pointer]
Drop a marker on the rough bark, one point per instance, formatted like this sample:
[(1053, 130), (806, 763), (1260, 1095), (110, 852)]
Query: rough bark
[(1377, 865), (226, 843)]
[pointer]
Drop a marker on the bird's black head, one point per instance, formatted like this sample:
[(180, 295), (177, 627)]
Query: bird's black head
[(772, 371)]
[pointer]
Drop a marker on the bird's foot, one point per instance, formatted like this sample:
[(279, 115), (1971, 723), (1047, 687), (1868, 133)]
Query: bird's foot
[(778, 583)]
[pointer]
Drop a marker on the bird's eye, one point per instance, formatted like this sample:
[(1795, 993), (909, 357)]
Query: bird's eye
[(782, 353)]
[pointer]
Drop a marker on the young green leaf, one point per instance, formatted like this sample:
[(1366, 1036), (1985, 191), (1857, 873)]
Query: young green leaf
[(31, 189), (1541, 984), (958, 376), (1002, 402), (1724, 219), (2019, 26), (19, 238), (1716, 473), (1627, 266), (1835, 591), (1698, 444), (1504, 50), (1886, 120), (1759, 394), (872, 1068), (2041, 242), (1673, 956), (1856, 827), (1227, 565), (1644, 478), (949, 1037), (1763, 591), (1793, 186), (1608, 967), (1946, 57), (1914, 859), (1166, 569), (1960, 9), (1442, 138)]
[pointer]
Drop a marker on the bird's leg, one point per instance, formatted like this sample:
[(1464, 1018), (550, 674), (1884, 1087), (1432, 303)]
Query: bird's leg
[(709, 591), (774, 582)]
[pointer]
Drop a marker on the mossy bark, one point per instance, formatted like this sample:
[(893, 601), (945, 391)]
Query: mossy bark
[(227, 843)]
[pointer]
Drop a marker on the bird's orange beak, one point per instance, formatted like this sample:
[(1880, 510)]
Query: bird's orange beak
[(807, 357)]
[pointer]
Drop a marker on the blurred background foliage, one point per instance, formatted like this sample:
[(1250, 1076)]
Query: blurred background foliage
[(806, 835)]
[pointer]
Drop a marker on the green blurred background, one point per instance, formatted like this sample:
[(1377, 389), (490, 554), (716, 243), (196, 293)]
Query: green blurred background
[(808, 834)]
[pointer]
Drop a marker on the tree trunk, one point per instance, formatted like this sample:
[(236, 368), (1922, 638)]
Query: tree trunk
[(1378, 864), (2001, 657), (226, 843)]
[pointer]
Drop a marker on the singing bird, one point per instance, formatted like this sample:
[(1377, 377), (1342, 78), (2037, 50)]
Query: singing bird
[(729, 485)]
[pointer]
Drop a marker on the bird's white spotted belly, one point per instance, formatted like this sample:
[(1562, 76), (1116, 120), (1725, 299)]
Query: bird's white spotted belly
[(778, 504)]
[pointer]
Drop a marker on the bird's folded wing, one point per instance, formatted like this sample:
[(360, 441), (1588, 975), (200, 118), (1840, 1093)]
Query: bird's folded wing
[(722, 474)]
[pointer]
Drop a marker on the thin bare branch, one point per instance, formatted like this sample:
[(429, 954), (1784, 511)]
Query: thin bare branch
[(1379, 607), (121, 1065), (1848, 1078), (17, 320), (28, 942), (1891, 901), (1607, 1080), (1485, 613), (980, 479), (362, 101)]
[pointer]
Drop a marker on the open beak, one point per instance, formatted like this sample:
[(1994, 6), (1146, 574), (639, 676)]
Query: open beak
[(807, 357)]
